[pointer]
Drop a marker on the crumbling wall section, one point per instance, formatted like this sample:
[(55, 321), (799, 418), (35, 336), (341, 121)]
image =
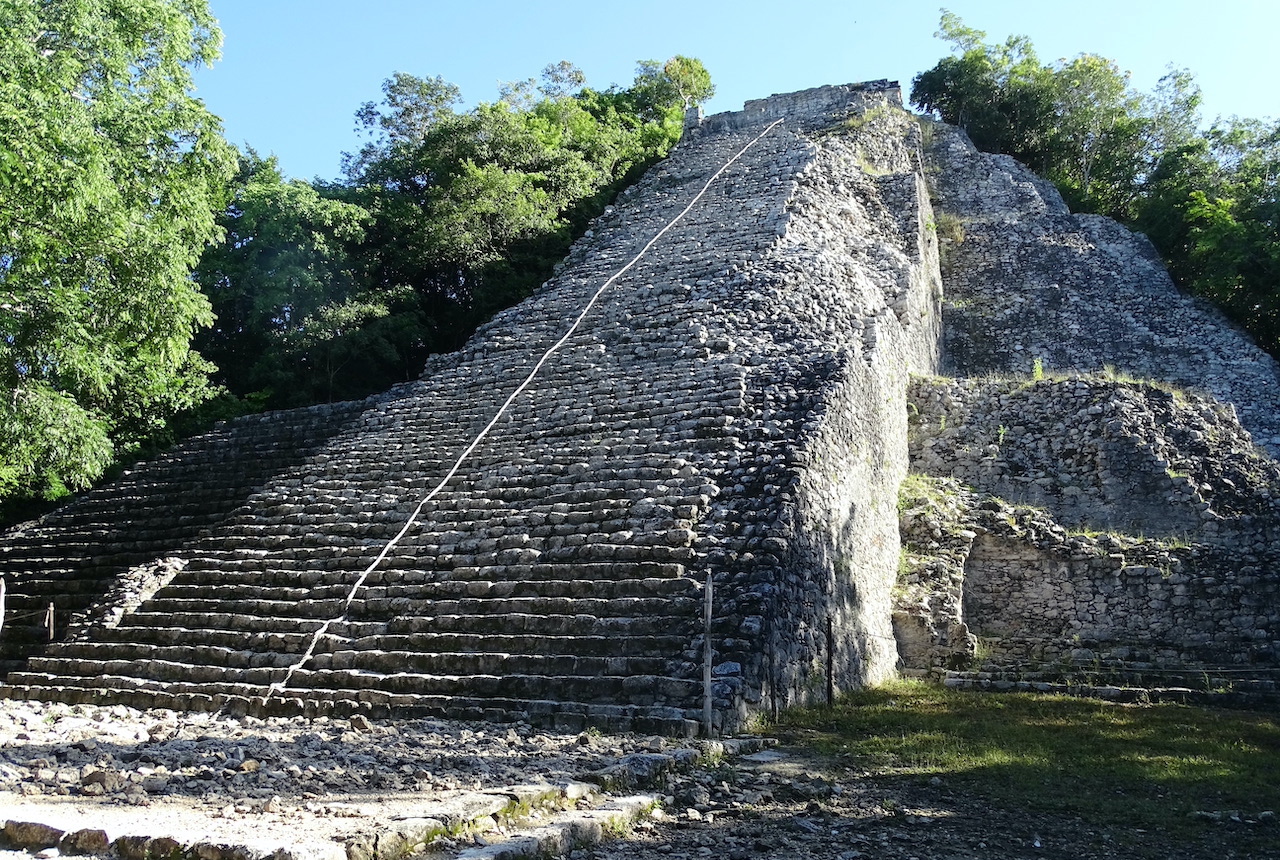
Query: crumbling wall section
[(1101, 453), (993, 589), (1107, 452)]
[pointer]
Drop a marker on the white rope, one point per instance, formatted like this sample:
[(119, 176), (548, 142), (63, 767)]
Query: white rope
[(315, 638)]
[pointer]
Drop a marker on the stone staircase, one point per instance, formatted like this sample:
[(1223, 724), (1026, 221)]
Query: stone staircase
[(544, 571), (1224, 686), (546, 582), (70, 558)]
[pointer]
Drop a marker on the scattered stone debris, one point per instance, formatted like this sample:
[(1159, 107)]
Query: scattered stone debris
[(76, 779)]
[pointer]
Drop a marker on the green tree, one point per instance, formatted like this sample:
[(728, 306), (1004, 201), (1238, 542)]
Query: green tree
[(1078, 122), (410, 107), (1001, 95), (1210, 202), (1232, 222), (1099, 136), (336, 290), (284, 262), (472, 209), (110, 173), (662, 88), (691, 80)]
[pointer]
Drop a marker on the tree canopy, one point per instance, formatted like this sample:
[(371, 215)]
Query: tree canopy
[(443, 217), (110, 174), (150, 279)]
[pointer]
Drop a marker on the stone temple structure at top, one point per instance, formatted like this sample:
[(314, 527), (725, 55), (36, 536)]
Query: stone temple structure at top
[(660, 494)]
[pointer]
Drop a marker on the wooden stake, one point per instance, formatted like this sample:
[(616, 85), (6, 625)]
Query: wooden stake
[(707, 655)]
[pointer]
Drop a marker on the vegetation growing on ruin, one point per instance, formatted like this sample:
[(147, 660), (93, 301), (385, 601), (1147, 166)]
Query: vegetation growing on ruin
[(110, 175), (335, 290)]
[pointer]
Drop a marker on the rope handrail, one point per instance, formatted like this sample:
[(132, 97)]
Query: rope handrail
[(475, 442)]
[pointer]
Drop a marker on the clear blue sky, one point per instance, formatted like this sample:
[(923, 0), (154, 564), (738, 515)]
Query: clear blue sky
[(293, 72)]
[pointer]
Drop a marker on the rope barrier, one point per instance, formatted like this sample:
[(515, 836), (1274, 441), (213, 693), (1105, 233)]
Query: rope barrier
[(43, 613), (413, 518)]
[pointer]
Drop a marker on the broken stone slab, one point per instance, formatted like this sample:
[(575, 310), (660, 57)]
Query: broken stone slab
[(568, 830), (31, 835), (475, 813), (86, 841)]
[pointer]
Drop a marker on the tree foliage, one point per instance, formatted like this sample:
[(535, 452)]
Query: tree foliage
[(1000, 94), (1214, 210), (1078, 122), (110, 173), (1209, 201), (283, 274), (442, 218)]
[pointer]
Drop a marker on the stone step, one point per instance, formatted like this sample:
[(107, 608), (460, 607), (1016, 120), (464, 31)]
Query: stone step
[(541, 712), (100, 562), (629, 689), (407, 596), (549, 624), (193, 662), (410, 570), (637, 689), (307, 610), (64, 602), (546, 624), (74, 656), (284, 642), (36, 587), (618, 645), (238, 623), (600, 607)]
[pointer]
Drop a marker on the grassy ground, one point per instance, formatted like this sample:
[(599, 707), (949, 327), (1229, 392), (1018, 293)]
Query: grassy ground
[(1140, 766)]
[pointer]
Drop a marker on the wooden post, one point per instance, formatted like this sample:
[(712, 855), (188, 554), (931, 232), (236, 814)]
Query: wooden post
[(1, 604), (707, 655), (831, 663), (48, 621), (773, 666)]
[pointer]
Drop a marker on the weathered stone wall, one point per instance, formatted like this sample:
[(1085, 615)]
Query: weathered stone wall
[(1079, 293), (1141, 519), (1136, 604), (1101, 454), (1001, 589)]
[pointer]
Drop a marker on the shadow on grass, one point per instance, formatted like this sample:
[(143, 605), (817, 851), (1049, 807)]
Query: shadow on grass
[(1153, 766)]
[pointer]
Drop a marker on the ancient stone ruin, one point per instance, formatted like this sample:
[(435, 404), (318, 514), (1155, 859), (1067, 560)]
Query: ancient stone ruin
[(663, 493)]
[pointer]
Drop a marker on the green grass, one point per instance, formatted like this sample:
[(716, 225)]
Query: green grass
[(1143, 766)]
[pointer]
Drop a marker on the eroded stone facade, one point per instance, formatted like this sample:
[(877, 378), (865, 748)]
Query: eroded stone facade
[(1116, 438)]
